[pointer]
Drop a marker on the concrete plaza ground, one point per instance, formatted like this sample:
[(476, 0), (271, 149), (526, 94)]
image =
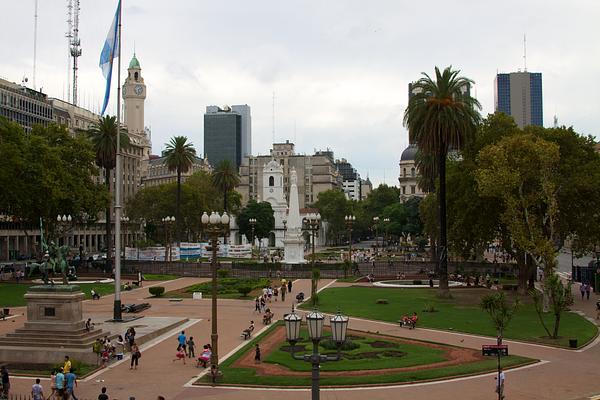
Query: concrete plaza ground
[(562, 374)]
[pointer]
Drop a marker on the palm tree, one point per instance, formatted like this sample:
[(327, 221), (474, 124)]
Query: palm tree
[(441, 115), (179, 156), (103, 136), (225, 178)]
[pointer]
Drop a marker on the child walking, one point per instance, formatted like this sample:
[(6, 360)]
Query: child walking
[(257, 354), (191, 347), (180, 355)]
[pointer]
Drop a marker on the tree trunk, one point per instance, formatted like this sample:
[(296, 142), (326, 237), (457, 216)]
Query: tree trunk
[(108, 225), (523, 272), (225, 199), (177, 207), (556, 324), (443, 290)]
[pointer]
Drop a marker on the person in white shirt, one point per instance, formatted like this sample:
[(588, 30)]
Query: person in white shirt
[(500, 383), (37, 391)]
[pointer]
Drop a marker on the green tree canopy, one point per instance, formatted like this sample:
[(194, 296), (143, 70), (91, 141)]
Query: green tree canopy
[(265, 219), (225, 178)]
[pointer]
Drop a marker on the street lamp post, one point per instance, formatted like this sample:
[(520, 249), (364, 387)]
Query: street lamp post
[(168, 221), (215, 225), (312, 223), (349, 219), (252, 222), (376, 227), (63, 223), (314, 322), (385, 237)]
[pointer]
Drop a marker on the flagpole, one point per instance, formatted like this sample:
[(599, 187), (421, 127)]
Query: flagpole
[(117, 316)]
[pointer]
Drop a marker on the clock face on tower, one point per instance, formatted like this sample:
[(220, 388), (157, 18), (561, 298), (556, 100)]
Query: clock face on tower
[(139, 89)]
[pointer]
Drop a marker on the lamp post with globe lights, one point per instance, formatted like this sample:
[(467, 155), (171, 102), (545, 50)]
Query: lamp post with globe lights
[(215, 225), (168, 223), (312, 223), (349, 220), (252, 222), (376, 229), (125, 221), (63, 223), (314, 322)]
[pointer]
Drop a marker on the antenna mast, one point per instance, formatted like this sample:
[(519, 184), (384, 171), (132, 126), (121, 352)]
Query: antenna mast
[(35, 18), (75, 47), (69, 36), (525, 52), (273, 122)]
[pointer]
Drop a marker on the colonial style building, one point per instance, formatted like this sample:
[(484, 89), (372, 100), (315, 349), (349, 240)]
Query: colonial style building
[(158, 172)]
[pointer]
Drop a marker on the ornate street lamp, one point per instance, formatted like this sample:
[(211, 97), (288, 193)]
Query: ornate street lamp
[(252, 222), (386, 222), (349, 220), (125, 221), (314, 322), (168, 222), (63, 222), (215, 225), (376, 227), (312, 222)]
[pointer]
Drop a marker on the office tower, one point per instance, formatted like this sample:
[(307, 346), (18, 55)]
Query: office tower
[(227, 134), (519, 94)]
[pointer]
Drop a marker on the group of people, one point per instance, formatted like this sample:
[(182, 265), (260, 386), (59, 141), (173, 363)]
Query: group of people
[(409, 321), (106, 349)]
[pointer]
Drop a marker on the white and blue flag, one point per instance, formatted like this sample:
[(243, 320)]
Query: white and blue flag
[(110, 52)]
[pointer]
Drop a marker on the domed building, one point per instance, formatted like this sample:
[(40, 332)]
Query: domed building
[(409, 174)]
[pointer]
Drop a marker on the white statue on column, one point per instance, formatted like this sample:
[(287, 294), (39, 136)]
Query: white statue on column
[(293, 243)]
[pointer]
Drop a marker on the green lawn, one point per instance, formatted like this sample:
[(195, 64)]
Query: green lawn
[(159, 277), (461, 313), (421, 355), (227, 288), (11, 294)]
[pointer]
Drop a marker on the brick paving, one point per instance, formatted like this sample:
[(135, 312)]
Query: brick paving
[(565, 374)]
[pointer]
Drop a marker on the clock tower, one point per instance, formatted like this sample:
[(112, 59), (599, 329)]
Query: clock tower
[(134, 94)]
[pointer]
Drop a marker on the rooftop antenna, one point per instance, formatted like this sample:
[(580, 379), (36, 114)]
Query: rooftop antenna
[(273, 122), (75, 47), (294, 131), (35, 20), (525, 52), (69, 36)]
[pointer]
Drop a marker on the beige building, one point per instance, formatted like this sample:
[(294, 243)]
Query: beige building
[(316, 173), (409, 175), (158, 173)]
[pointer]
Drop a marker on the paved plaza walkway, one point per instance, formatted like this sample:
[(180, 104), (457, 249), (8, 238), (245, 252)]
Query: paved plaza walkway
[(562, 374)]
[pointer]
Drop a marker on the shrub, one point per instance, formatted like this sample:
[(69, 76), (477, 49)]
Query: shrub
[(329, 344), (244, 290), (156, 291), (223, 273), (429, 307), (382, 301)]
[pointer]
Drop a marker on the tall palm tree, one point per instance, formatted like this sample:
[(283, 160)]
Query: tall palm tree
[(179, 156), (441, 115), (103, 136), (225, 177)]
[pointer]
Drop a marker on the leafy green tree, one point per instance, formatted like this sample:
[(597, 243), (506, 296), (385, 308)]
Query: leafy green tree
[(103, 135), (333, 206), (499, 310), (560, 296), (46, 172), (179, 156), (440, 116), (265, 219), (225, 178)]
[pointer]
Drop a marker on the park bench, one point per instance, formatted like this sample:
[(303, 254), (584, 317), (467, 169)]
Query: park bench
[(247, 333)]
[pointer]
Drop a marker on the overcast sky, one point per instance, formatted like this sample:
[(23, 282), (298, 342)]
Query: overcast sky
[(339, 69)]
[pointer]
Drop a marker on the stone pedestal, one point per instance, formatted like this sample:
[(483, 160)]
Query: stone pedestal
[(54, 328)]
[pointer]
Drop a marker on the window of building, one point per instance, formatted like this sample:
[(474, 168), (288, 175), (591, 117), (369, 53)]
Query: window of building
[(271, 181), (403, 189), (412, 189), (412, 172)]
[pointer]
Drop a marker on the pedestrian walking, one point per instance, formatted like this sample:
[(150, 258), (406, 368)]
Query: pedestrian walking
[(67, 365), (5, 382), (71, 380), (135, 355), (283, 290), (289, 286), (181, 339), (120, 348), (37, 391), (257, 305), (60, 384), (500, 384), (588, 290), (582, 290), (191, 347), (257, 353), (180, 355), (52, 386), (276, 293), (263, 303)]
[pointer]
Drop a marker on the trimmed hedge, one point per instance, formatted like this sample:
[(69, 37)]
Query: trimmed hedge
[(157, 291)]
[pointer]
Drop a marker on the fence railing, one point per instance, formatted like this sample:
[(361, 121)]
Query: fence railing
[(379, 269)]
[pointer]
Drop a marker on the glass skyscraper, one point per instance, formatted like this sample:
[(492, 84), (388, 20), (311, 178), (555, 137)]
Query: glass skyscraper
[(222, 136), (519, 94)]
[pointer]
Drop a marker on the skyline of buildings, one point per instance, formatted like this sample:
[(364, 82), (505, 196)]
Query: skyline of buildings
[(519, 94)]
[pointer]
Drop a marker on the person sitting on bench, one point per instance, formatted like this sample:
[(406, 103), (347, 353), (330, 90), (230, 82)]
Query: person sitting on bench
[(268, 316), (246, 333), (95, 295), (411, 321), (204, 358)]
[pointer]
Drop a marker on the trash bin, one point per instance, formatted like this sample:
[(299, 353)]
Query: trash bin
[(573, 343), (197, 295)]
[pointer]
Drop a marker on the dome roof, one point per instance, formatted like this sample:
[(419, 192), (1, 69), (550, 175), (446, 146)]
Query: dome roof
[(409, 153), (134, 63)]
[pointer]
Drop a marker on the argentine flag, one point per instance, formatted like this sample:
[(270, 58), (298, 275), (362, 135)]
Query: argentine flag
[(109, 52)]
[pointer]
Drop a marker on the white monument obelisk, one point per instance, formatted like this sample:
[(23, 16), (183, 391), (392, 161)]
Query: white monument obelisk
[(293, 243)]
